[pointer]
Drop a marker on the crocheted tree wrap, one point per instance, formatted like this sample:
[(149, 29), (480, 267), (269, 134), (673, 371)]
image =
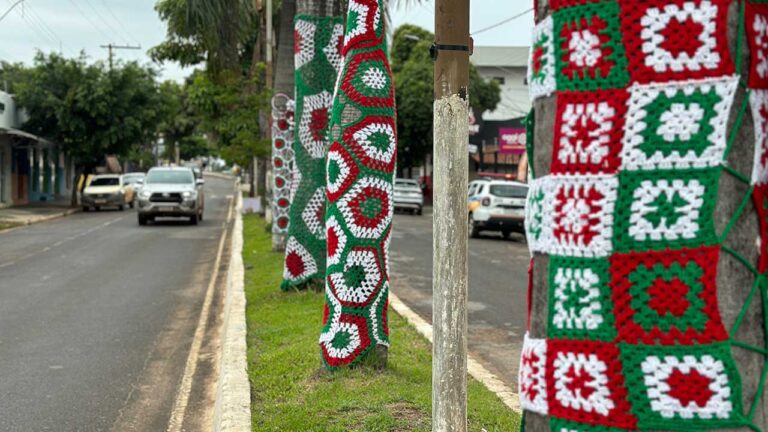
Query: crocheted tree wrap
[(282, 162), (317, 44), (643, 91), (360, 170)]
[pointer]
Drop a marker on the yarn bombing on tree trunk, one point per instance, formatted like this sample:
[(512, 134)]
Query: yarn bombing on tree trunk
[(317, 46), (360, 170), (282, 162), (623, 223)]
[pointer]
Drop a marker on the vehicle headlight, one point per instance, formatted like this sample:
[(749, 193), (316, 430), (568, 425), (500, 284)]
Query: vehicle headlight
[(188, 195), (145, 194)]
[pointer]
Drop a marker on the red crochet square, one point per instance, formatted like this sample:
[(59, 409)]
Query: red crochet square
[(585, 384), (760, 195), (588, 130), (756, 20), (667, 297), (670, 40)]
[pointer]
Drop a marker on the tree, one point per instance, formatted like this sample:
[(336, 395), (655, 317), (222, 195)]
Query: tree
[(650, 375), (413, 71), (179, 128), (86, 109)]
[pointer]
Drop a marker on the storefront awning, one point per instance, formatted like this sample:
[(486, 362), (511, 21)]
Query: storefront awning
[(25, 139)]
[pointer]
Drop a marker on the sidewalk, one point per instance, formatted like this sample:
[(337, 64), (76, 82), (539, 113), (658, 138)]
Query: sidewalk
[(34, 213)]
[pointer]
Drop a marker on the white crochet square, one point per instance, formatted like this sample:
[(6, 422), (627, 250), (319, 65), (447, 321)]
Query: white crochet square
[(532, 385), (758, 100), (666, 209), (542, 55), (666, 125)]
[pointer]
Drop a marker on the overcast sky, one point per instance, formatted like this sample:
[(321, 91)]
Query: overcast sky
[(75, 25)]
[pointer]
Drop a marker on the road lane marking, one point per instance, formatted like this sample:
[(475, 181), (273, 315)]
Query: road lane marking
[(61, 242), (190, 368)]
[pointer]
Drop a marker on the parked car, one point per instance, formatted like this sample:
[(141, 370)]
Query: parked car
[(496, 205), (171, 192), (408, 195), (134, 181), (106, 190)]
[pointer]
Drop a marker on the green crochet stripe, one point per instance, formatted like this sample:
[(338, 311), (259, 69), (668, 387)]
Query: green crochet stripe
[(611, 70), (560, 425), (580, 305), (655, 209), (313, 79)]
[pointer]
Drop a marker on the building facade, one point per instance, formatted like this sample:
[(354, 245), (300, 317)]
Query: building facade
[(32, 169)]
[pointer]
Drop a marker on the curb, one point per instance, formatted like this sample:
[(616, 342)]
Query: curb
[(39, 219), (233, 396), (475, 369)]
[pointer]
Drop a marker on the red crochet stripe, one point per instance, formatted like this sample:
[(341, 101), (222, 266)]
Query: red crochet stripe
[(760, 195), (756, 14)]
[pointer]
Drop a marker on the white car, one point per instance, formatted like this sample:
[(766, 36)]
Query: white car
[(107, 190), (408, 195), (496, 205)]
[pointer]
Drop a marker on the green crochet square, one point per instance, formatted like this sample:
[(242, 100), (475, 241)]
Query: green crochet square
[(580, 305), (589, 53), (683, 387), (560, 425), (665, 209)]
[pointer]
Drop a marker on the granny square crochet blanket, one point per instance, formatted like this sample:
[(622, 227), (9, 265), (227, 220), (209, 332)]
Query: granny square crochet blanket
[(644, 91)]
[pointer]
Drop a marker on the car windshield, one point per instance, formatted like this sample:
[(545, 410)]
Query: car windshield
[(509, 191), (132, 179), (170, 177), (406, 184), (105, 181)]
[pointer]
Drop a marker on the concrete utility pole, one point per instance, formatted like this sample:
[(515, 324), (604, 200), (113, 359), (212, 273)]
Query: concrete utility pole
[(451, 149), (112, 47)]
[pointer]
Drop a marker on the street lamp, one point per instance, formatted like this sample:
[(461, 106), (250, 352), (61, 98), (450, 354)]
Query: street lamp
[(10, 9)]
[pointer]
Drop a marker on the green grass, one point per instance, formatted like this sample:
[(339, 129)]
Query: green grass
[(290, 391), (8, 225)]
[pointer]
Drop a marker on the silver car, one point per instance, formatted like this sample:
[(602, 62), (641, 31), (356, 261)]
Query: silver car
[(171, 192), (408, 195)]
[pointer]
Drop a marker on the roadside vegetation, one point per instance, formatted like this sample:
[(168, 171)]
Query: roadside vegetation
[(8, 225), (291, 391)]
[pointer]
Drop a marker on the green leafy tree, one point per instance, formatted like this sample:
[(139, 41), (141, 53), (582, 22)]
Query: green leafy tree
[(88, 110), (179, 128), (414, 77)]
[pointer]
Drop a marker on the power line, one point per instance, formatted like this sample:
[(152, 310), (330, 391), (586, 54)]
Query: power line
[(80, 11), (39, 34), (42, 24), (501, 23), (119, 22), (101, 18)]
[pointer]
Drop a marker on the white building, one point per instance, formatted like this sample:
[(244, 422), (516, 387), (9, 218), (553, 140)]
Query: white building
[(508, 66)]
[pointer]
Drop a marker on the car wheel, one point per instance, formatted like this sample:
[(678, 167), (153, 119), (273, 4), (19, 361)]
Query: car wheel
[(506, 234), (193, 219), (142, 220), (474, 232), (420, 211)]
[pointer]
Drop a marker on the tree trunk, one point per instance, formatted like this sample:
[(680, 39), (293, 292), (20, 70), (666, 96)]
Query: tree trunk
[(734, 280)]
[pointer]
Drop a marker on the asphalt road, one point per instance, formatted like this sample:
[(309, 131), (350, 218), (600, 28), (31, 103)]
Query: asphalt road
[(498, 280), (97, 318)]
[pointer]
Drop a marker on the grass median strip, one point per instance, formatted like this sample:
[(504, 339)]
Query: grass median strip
[(291, 392), (8, 225)]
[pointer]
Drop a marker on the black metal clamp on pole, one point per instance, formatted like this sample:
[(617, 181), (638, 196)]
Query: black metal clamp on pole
[(435, 49)]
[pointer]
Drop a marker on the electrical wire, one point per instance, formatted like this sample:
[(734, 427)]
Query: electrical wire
[(501, 23), (90, 21), (100, 17), (43, 39), (119, 22)]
